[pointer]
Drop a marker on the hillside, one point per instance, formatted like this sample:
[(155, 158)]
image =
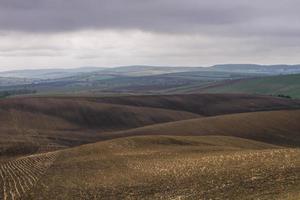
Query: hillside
[(6, 82), (168, 167), (144, 70), (90, 114), (124, 80), (273, 127), (274, 85), (185, 147), (41, 124), (142, 79), (40, 74), (254, 68), (206, 104), (28, 124)]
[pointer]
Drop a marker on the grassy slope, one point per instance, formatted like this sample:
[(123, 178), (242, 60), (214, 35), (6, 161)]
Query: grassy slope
[(284, 84), (168, 167), (275, 127)]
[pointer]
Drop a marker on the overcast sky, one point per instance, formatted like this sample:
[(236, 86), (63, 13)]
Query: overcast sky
[(73, 33)]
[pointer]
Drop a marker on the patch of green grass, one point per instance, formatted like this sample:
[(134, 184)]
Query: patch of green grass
[(274, 85)]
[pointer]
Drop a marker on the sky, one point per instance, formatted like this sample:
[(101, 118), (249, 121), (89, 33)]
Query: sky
[(105, 33)]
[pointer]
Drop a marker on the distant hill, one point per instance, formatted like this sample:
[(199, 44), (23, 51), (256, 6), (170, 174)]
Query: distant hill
[(11, 81), (253, 68), (144, 70), (273, 85), (136, 70), (47, 73), (128, 82), (134, 79)]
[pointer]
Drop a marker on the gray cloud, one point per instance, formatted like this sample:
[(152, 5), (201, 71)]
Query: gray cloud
[(175, 32), (228, 16)]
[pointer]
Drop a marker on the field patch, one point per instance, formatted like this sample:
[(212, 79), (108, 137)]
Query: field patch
[(173, 167), (20, 175)]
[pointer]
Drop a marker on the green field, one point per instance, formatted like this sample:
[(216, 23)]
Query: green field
[(274, 85)]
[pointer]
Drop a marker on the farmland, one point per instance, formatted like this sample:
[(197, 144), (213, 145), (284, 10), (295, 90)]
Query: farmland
[(20, 175), (171, 167), (136, 146)]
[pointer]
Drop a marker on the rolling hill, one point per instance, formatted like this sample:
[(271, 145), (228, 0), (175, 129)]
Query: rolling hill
[(120, 81), (35, 124), (136, 79), (273, 127), (144, 70), (7, 82), (168, 167), (40, 74), (274, 85), (207, 146), (29, 124), (254, 68), (206, 104)]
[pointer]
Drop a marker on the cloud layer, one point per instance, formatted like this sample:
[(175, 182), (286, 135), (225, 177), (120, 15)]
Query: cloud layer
[(176, 32)]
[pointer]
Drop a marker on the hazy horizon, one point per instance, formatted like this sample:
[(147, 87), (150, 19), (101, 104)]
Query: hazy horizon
[(142, 65)]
